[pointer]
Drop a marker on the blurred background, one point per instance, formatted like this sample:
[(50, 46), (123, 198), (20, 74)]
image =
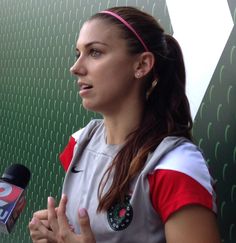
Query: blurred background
[(40, 107)]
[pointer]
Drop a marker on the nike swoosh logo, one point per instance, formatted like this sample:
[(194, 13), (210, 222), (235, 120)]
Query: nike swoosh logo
[(75, 170)]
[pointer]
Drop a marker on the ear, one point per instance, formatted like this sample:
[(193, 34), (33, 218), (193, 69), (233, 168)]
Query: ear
[(144, 64)]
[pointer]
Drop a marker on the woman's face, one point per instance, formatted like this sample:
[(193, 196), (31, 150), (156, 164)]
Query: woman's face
[(104, 68)]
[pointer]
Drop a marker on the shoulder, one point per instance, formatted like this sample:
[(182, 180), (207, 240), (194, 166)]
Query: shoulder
[(85, 133), (181, 178), (188, 159)]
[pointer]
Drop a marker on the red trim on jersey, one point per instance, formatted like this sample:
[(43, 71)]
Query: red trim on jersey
[(67, 154), (171, 190)]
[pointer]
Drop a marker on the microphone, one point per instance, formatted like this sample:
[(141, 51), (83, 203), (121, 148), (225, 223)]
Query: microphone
[(12, 195)]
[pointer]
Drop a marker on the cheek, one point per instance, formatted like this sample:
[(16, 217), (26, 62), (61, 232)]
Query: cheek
[(118, 70)]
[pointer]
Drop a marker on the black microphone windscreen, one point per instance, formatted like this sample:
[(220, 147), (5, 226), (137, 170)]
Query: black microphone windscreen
[(18, 175)]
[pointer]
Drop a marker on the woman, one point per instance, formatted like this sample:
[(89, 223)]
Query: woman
[(134, 176)]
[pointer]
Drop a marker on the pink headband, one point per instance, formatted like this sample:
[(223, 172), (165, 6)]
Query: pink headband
[(127, 25)]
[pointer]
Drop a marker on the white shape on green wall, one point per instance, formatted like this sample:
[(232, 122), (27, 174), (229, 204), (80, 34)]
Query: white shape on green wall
[(202, 28)]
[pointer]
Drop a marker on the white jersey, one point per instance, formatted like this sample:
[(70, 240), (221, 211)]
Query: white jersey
[(175, 175)]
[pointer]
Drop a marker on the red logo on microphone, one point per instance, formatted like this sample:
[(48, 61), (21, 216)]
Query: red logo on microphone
[(8, 193)]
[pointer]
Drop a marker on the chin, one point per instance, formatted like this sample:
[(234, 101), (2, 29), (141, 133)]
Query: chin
[(101, 108), (89, 106)]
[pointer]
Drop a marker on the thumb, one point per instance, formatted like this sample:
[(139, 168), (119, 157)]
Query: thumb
[(84, 223)]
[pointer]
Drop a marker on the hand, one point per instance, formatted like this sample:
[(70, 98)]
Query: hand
[(61, 228), (40, 231)]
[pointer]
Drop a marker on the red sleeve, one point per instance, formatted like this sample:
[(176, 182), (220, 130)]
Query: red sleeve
[(67, 154), (171, 190)]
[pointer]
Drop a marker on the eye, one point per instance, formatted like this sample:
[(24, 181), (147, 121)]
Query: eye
[(95, 53), (77, 55)]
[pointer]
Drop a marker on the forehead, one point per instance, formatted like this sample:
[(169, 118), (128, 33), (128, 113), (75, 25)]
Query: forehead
[(98, 30)]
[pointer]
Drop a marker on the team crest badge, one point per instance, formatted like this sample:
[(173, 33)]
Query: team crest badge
[(120, 215)]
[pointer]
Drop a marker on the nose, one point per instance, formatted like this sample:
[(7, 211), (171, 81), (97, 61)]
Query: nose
[(78, 69)]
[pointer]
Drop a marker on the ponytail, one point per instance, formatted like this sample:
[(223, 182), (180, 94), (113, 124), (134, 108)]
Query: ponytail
[(168, 101)]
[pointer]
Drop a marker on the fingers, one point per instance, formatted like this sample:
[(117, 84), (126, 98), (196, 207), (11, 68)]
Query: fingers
[(38, 231), (85, 227), (52, 215), (39, 217), (41, 241), (65, 233), (51, 225), (65, 227), (61, 212), (46, 224), (34, 226), (41, 214), (43, 226)]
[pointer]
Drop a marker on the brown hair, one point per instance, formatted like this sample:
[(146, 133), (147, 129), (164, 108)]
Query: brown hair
[(167, 111)]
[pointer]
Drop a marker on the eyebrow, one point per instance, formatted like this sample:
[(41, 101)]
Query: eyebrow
[(93, 42)]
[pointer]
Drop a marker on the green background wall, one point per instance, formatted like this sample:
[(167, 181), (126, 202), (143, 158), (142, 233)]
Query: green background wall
[(40, 107), (215, 132)]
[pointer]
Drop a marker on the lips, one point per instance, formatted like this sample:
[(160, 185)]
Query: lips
[(85, 86), (84, 89)]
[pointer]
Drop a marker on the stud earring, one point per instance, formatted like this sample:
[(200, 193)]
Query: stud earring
[(137, 75)]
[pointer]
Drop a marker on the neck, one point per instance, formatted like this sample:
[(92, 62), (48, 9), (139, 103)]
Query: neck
[(118, 127)]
